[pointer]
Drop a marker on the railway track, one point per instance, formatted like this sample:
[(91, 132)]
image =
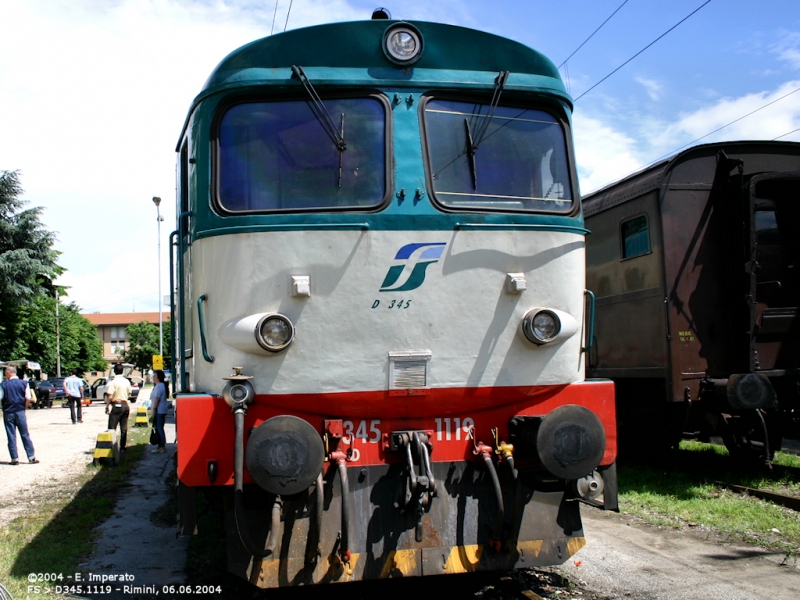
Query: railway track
[(792, 502)]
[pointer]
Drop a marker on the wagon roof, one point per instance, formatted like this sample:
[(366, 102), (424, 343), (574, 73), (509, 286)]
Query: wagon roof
[(655, 176)]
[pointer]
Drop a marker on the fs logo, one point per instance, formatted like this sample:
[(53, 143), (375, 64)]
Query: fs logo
[(409, 273)]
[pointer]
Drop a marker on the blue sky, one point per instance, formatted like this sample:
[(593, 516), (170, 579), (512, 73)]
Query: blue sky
[(93, 94)]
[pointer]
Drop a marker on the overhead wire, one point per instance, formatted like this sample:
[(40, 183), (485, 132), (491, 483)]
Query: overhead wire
[(785, 134), (797, 89), (590, 37), (642, 50), (663, 156), (287, 15), (273, 17)]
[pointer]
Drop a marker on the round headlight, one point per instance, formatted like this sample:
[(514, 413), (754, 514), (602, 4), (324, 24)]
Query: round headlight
[(541, 326), (402, 45), (274, 332)]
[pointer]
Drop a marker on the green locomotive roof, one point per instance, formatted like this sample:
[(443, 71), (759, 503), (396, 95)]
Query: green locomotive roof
[(358, 45)]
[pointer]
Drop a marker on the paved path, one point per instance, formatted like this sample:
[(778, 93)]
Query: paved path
[(650, 563), (129, 542)]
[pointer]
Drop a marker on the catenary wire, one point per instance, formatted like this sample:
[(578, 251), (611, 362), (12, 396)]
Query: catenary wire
[(670, 153), (590, 37), (794, 91), (785, 134), (287, 15), (642, 50), (273, 17)]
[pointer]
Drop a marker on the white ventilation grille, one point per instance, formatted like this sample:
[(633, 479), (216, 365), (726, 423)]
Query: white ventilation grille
[(409, 370), (410, 374)]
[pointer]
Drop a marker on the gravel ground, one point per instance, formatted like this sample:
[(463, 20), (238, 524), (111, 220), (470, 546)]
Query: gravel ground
[(62, 448)]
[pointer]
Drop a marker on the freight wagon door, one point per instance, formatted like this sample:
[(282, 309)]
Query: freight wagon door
[(775, 245), (705, 247)]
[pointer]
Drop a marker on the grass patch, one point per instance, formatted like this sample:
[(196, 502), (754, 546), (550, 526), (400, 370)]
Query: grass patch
[(688, 497), (56, 533)]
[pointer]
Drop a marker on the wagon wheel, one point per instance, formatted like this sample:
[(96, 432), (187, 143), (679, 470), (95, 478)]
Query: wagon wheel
[(744, 435)]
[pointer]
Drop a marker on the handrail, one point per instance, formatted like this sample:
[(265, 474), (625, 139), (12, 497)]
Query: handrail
[(172, 372), (201, 319), (590, 321), (181, 296)]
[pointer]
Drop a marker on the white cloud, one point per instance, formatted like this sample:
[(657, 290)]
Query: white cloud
[(93, 96), (764, 124), (788, 48), (603, 153), (651, 86)]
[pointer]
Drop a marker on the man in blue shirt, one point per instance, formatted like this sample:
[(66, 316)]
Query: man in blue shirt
[(73, 387), (16, 397)]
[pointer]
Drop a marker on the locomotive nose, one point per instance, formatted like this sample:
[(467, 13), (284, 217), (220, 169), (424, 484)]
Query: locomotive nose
[(571, 441), (284, 455)]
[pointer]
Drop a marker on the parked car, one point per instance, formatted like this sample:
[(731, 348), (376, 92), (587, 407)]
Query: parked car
[(58, 384), (45, 392), (98, 388)]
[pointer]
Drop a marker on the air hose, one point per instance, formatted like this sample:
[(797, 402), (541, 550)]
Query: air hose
[(500, 516), (238, 494), (344, 549)]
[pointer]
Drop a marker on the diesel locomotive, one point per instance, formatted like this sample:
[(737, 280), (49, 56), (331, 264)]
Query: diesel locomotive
[(380, 314), (695, 264)]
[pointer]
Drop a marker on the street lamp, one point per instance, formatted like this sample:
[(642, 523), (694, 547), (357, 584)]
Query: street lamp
[(157, 201)]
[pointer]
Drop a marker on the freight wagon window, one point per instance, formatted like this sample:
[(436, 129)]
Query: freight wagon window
[(635, 237), (514, 161), (277, 156)]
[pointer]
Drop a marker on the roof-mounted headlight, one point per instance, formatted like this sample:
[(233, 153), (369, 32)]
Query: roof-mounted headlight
[(402, 44), (274, 332)]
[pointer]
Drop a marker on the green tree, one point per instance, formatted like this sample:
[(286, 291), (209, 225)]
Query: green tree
[(36, 337), (27, 258), (142, 344)]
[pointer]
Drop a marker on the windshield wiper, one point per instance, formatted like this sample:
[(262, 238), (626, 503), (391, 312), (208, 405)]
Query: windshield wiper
[(471, 148), (323, 116), (483, 126)]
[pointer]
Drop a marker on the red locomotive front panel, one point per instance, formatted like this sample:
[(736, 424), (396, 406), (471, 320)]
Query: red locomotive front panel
[(459, 489)]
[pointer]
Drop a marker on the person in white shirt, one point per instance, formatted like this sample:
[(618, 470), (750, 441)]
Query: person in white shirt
[(73, 387)]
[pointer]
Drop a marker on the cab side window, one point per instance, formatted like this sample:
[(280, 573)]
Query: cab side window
[(635, 237)]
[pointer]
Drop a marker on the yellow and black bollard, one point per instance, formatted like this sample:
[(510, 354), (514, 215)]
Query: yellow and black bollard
[(106, 448), (141, 417)]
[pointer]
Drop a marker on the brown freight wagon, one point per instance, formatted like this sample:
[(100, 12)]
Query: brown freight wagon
[(694, 262)]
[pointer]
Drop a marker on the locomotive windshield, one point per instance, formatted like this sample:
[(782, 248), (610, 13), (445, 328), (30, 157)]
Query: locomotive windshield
[(506, 159), (278, 156)]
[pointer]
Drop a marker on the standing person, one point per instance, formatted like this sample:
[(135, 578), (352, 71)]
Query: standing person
[(160, 408), (73, 387), (117, 394), (16, 398)]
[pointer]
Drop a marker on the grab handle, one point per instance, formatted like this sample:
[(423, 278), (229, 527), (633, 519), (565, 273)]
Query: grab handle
[(201, 318), (590, 321)]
